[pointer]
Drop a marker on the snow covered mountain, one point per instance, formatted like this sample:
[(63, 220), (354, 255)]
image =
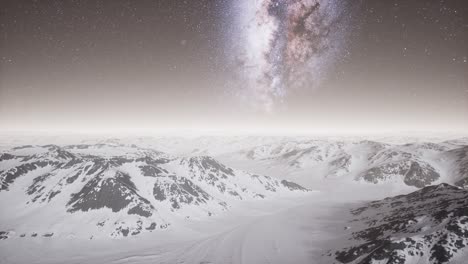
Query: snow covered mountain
[(459, 165), (308, 160), (118, 190), (426, 226), (412, 164), (207, 199)]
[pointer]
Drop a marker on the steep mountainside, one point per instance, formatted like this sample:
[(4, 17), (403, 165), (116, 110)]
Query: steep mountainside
[(426, 226), (459, 165)]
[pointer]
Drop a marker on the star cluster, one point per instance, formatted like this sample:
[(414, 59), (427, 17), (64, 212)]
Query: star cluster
[(281, 45)]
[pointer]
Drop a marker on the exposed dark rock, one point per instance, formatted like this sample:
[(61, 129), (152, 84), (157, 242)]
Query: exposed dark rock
[(152, 226), (234, 193), (153, 162), (180, 190), (151, 171), (6, 156), (420, 175), (23, 147), (393, 223), (73, 162), (210, 163), (118, 161), (462, 183), (140, 210), (53, 194), (123, 231), (98, 164), (290, 154), (207, 164), (37, 187), (73, 178), (64, 155), (158, 192), (414, 173), (260, 195), (293, 186), (8, 177), (342, 162), (383, 172), (3, 235), (115, 193)]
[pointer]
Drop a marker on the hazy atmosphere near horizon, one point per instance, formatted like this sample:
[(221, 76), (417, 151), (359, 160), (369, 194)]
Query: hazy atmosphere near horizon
[(362, 65), (233, 131)]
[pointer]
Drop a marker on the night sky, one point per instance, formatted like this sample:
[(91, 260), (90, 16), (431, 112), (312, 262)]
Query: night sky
[(240, 65)]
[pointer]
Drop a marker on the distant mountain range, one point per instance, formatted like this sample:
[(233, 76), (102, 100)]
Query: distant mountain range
[(413, 164), (121, 190)]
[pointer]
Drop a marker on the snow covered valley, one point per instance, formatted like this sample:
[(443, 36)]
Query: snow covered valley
[(232, 200)]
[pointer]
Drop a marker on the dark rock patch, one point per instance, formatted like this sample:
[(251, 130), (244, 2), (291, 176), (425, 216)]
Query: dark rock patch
[(73, 162), (4, 235), (152, 226), (123, 231), (151, 171), (73, 178), (53, 194), (463, 183), (48, 234), (179, 190), (444, 209), (23, 147), (208, 164), (293, 186), (420, 175), (140, 210), (37, 186), (6, 156), (115, 193), (11, 175), (98, 164)]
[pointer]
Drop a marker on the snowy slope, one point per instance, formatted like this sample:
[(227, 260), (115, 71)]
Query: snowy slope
[(458, 164), (426, 226), (310, 161), (119, 190), (207, 200)]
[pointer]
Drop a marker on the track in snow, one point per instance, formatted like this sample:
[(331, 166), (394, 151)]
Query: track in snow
[(296, 235)]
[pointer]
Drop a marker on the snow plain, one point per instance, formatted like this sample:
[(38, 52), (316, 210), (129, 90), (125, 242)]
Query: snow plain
[(286, 231)]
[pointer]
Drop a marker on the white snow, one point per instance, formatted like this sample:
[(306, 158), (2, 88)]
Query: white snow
[(282, 228)]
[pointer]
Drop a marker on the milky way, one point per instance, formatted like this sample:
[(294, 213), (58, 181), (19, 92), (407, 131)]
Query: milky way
[(281, 45)]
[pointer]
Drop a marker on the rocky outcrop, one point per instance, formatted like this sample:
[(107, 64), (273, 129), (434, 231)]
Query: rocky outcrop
[(429, 226)]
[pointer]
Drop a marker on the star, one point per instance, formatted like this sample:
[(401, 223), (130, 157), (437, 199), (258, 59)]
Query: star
[(287, 45)]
